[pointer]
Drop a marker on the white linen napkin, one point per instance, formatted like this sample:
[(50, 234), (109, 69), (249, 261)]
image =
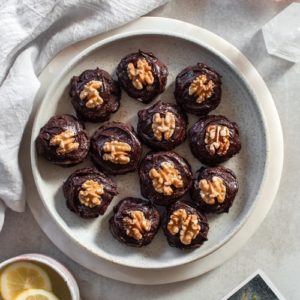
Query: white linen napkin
[(32, 32)]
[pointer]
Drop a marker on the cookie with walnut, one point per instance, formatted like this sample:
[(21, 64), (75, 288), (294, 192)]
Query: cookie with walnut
[(63, 141), (162, 126), (115, 148), (89, 192), (198, 89), (214, 139), (184, 226), (164, 177), (214, 189), (95, 95), (135, 222), (142, 75)]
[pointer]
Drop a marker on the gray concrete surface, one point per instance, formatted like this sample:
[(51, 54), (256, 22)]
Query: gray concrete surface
[(275, 247)]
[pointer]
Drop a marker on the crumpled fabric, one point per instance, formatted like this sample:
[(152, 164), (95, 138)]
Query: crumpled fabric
[(32, 32)]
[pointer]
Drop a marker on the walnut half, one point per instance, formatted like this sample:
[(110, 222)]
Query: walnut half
[(136, 224), (186, 224), (90, 193), (65, 142), (166, 176), (91, 95), (141, 75), (117, 152), (212, 190), (217, 139), (163, 127), (202, 88)]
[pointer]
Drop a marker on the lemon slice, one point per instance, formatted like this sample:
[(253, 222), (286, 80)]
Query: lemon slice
[(36, 294), (21, 276)]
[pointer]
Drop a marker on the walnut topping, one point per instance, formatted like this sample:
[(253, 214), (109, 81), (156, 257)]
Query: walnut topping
[(202, 88), (140, 76), (166, 176), (91, 95), (217, 139), (136, 224), (90, 193), (65, 142), (212, 190), (163, 127), (117, 152), (186, 224)]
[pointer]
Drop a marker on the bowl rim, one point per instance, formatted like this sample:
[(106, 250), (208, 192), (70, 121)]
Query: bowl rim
[(250, 78), (50, 262)]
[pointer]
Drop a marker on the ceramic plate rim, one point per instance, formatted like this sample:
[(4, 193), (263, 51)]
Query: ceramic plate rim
[(201, 43)]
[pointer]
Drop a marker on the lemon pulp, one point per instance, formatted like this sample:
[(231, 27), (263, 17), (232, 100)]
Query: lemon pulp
[(36, 294), (21, 276)]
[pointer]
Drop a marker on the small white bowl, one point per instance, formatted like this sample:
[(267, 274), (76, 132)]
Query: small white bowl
[(53, 264)]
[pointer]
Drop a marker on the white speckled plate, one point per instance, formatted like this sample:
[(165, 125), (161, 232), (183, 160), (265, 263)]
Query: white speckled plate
[(246, 100)]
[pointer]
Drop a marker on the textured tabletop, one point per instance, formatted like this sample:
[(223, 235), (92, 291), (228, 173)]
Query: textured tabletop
[(275, 247)]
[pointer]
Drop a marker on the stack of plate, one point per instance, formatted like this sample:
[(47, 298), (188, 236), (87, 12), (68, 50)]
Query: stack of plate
[(245, 100)]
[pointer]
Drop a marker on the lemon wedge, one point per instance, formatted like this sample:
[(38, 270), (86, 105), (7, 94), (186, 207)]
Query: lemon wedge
[(36, 294), (21, 276)]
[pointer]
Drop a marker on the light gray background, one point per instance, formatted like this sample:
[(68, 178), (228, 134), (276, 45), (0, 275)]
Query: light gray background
[(275, 247)]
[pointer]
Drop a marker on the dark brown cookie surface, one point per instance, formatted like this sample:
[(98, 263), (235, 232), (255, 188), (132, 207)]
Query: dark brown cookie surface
[(164, 177), (89, 192), (135, 222), (214, 139), (214, 189), (184, 226), (63, 141), (95, 95), (142, 75), (162, 126), (115, 148), (198, 89)]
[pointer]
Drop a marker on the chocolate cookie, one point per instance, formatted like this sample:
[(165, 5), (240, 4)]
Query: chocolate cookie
[(115, 148), (164, 177), (214, 189), (214, 139), (89, 192), (198, 89), (184, 226), (162, 126), (95, 95), (63, 141), (135, 222), (142, 75)]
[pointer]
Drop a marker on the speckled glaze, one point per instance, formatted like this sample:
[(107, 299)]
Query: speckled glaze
[(245, 99)]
